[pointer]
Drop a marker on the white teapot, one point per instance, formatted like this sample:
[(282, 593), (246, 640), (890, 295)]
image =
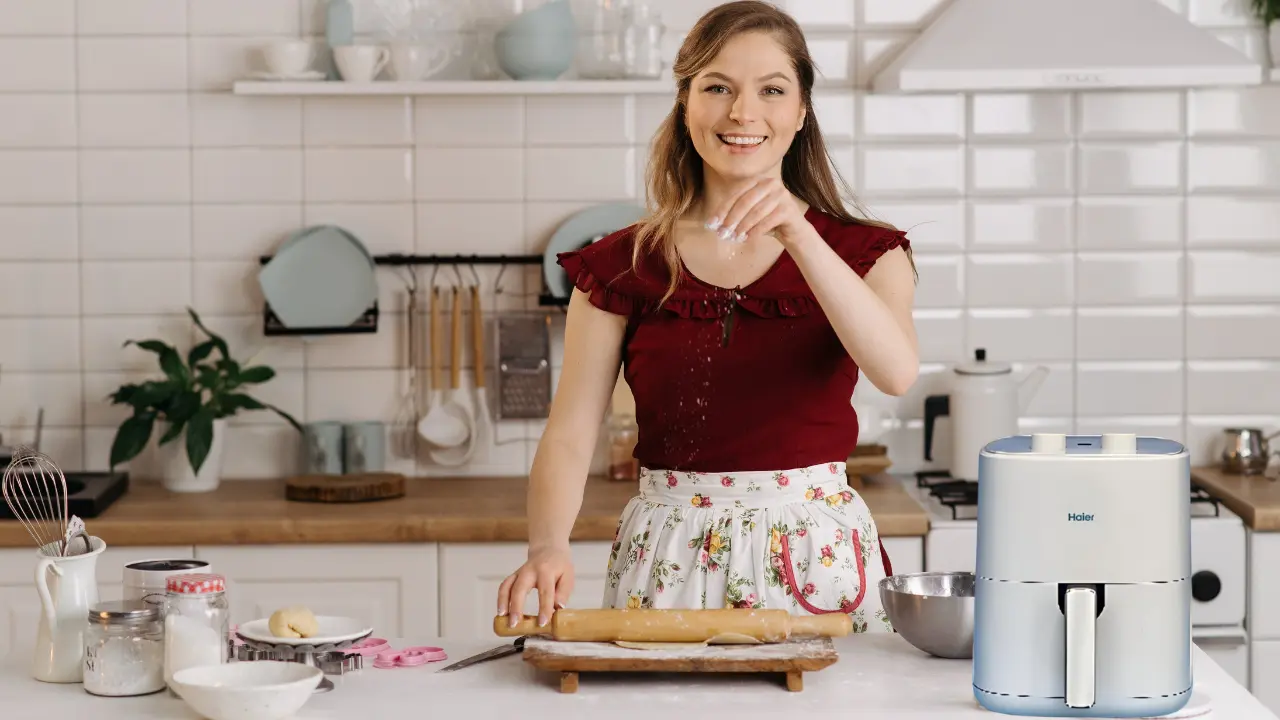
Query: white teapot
[(984, 404)]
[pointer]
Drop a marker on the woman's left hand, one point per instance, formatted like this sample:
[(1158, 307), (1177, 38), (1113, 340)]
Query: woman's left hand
[(758, 208)]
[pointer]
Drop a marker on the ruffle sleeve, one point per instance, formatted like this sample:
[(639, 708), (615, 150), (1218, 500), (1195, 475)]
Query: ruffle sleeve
[(602, 270), (862, 245)]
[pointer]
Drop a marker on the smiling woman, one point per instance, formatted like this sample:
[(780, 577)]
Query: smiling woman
[(744, 308)]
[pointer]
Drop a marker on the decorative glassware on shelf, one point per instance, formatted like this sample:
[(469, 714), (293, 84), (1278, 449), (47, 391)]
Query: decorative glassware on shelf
[(618, 39), (424, 36)]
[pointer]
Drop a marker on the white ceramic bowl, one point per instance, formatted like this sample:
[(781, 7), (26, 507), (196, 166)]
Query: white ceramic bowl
[(259, 690)]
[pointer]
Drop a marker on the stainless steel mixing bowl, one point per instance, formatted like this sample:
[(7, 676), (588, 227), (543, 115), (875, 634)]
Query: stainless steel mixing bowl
[(932, 610)]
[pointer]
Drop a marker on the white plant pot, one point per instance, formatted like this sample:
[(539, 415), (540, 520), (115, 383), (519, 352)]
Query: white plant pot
[(176, 467)]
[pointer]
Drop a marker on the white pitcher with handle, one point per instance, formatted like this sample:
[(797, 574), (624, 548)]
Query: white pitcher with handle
[(68, 587)]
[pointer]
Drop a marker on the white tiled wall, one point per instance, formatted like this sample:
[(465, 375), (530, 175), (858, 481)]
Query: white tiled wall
[(1128, 241)]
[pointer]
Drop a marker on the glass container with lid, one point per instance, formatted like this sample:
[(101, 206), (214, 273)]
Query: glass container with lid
[(124, 649), (196, 622)]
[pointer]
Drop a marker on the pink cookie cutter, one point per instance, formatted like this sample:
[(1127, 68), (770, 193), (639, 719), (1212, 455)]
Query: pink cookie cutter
[(408, 657), (368, 646)]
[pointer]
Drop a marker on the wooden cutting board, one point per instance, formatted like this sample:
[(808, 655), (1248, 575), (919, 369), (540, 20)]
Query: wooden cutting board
[(791, 658)]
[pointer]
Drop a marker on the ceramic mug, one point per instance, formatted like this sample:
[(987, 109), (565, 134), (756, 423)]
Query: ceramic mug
[(364, 447), (411, 63), (288, 57), (322, 448), (361, 63)]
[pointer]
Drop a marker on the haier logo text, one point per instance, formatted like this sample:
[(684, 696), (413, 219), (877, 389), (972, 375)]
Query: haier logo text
[(1079, 517)]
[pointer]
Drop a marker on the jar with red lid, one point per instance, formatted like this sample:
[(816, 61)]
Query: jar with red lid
[(196, 622)]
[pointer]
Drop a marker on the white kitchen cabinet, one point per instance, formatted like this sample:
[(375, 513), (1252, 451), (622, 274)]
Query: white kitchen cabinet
[(1264, 587), (20, 605), (1264, 671), (393, 587), (470, 574), (906, 554)]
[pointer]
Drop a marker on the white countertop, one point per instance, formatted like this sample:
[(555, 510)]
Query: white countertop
[(877, 676)]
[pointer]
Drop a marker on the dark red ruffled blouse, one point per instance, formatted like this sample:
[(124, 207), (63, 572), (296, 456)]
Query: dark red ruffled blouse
[(732, 381)]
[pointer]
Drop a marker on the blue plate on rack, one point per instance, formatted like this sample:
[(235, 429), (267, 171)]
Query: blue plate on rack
[(580, 231), (321, 277)]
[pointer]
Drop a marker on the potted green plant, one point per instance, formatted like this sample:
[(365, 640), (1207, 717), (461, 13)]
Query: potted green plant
[(1268, 11), (193, 399)]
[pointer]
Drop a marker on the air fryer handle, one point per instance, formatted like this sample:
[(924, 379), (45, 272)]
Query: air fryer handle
[(1081, 609), (935, 406)]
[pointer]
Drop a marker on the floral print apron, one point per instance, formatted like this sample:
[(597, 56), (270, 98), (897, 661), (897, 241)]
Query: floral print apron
[(802, 540)]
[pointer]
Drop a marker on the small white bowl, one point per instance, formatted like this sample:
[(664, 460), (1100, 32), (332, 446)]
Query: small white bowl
[(259, 690)]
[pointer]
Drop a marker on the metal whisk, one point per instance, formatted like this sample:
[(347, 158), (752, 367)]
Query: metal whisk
[(36, 491)]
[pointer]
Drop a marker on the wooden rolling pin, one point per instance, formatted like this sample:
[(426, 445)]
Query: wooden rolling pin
[(647, 625)]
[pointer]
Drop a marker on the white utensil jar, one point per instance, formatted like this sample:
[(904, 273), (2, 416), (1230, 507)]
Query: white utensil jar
[(196, 622), (124, 649)]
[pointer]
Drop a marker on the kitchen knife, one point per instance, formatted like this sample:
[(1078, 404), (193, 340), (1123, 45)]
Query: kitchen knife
[(500, 651)]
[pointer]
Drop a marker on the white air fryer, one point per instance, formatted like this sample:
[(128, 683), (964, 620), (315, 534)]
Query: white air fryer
[(1082, 603)]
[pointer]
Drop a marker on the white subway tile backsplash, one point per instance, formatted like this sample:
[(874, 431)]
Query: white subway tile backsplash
[(1233, 276), (354, 394), (244, 17), (1233, 221), (49, 344), (134, 63), (118, 120), (1234, 112), (1220, 13), (1054, 399), (262, 451), (1021, 224), (247, 175), (38, 176), (898, 13), (942, 281), (1233, 167), (940, 335), (39, 288), (901, 117), (1223, 332), (25, 394), (1019, 280), (1126, 114), (821, 13), (1022, 170), (37, 120), (931, 226), (1119, 169), (235, 232), (1164, 426), (911, 169), (580, 173), (38, 64), (480, 174), (467, 121), (155, 287), (1246, 387), (225, 120), (244, 336), (1129, 388), (383, 227), (38, 17), (103, 337), (287, 391), (135, 177), (868, 54), (359, 175), (1116, 223), (39, 232), (836, 112), (541, 219), (226, 287), (1140, 278), (580, 120), (387, 348), (467, 228), (1129, 333), (1025, 334), (131, 17), (1022, 116), (347, 121), (217, 62), (135, 232)]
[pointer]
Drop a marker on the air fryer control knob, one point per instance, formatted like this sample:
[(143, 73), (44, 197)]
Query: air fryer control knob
[(1120, 443), (1205, 586), (1048, 443)]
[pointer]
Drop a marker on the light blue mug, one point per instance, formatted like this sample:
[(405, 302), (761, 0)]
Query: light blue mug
[(322, 448), (365, 446)]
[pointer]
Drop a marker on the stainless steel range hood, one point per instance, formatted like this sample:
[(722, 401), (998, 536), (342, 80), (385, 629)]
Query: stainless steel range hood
[(992, 45)]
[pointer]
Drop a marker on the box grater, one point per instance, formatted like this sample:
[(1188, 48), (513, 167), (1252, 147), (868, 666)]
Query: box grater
[(524, 366)]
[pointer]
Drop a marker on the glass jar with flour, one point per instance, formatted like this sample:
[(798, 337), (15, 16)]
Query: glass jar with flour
[(124, 649), (196, 622)]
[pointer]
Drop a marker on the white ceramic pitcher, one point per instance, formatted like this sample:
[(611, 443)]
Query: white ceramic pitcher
[(68, 587)]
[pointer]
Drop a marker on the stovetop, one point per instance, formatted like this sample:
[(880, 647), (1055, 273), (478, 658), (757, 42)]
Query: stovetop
[(89, 494), (960, 497)]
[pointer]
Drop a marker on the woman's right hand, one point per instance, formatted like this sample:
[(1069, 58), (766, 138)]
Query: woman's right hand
[(550, 571)]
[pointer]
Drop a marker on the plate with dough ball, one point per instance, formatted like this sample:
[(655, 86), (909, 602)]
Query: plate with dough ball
[(297, 625)]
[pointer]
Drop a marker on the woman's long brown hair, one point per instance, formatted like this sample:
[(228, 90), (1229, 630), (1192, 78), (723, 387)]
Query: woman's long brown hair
[(674, 172)]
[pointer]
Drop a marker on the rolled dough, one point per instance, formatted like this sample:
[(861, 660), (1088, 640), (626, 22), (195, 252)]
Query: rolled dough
[(722, 639)]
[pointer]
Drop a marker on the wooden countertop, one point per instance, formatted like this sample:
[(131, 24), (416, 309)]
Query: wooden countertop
[(1256, 499), (479, 509)]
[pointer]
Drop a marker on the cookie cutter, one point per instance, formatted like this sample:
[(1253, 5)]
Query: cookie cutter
[(409, 657)]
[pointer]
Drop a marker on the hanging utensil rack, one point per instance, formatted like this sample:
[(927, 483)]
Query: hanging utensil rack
[(368, 322)]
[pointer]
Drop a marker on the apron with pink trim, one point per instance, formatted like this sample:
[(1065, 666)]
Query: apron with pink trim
[(801, 540)]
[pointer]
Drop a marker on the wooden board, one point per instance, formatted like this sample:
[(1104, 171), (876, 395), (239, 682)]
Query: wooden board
[(866, 460), (365, 487), (1255, 498), (791, 659)]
